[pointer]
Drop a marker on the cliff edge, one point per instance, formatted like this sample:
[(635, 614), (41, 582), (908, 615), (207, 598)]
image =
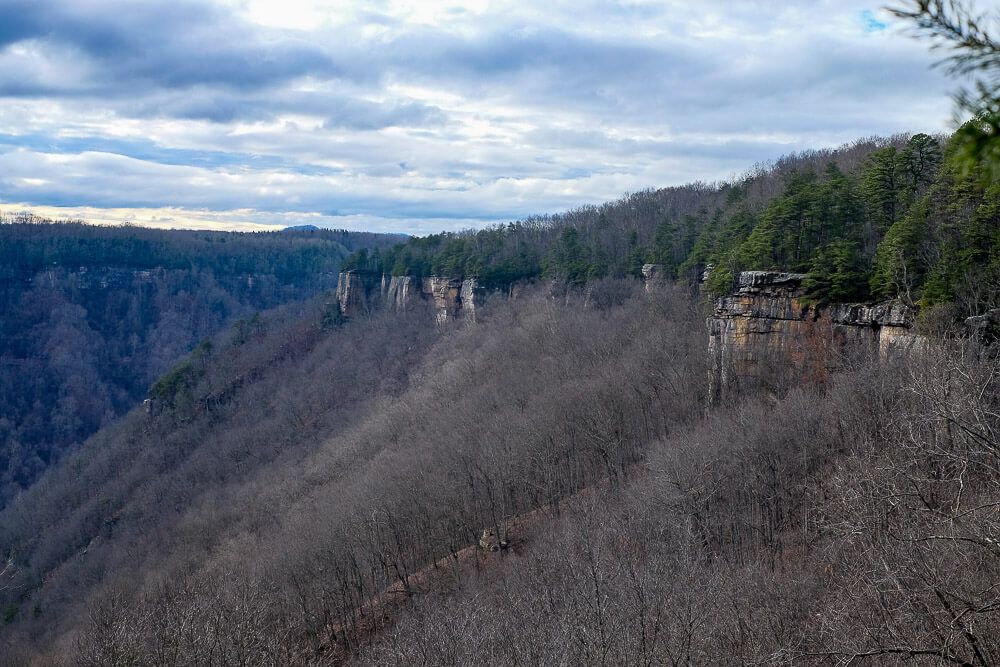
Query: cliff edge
[(769, 318)]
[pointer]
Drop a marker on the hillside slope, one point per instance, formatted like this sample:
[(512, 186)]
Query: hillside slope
[(849, 523), (312, 462), (848, 518), (292, 472), (91, 316)]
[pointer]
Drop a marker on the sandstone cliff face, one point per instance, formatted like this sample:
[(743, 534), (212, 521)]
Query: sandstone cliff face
[(768, 318), (452, 298), (652, 276), (400, 292), (353, 293), (470, 295), (447, 296)]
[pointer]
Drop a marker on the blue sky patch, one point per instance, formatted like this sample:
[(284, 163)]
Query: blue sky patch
[(870, 23)]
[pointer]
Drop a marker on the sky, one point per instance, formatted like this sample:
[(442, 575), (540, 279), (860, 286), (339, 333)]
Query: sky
[(419, 117)]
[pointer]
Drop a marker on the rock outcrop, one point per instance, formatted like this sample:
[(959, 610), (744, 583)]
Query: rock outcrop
[(400, 291), (769, 319), (652, 276), (359, 292), (470, 297), (447, 296), (353, 293), (490, 541)]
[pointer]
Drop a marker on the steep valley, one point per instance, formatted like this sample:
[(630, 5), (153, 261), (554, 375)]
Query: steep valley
[(751, 422), (91, 316)]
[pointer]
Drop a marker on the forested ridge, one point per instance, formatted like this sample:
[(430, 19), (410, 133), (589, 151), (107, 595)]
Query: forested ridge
[(298, 469), (90, 316), (600, 462), (878, 219)]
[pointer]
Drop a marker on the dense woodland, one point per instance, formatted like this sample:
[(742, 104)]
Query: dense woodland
[(880, 219), (90, 316)]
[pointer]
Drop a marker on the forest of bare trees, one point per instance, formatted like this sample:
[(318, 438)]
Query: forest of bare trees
[(318, 497), (845, 523), (559, 410)]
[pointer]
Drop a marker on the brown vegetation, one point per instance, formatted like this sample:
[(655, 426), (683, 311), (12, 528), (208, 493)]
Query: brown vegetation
[(316, 495)]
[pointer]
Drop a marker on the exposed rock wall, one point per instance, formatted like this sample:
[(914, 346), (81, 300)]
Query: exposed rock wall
[(652, 276), (769, 318), (359, 292), (447, 296), (353, 293), (400, 292), (470, 297)]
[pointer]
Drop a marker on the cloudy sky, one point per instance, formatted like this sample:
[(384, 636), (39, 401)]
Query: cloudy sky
[(421, 116)]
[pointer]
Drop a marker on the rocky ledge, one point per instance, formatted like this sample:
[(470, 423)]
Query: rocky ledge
[(359, 292), (768, 318)]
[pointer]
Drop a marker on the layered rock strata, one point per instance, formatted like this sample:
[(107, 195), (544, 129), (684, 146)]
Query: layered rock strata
[(470, 296), (769, 319), (446, 293), (400, 291), (353, 293), (359, 292)]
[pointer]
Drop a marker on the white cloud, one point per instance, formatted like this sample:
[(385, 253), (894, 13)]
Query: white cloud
[(406, 114)]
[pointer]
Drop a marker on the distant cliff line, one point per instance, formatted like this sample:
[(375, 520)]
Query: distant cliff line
[(452, 298), (767, 320)]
